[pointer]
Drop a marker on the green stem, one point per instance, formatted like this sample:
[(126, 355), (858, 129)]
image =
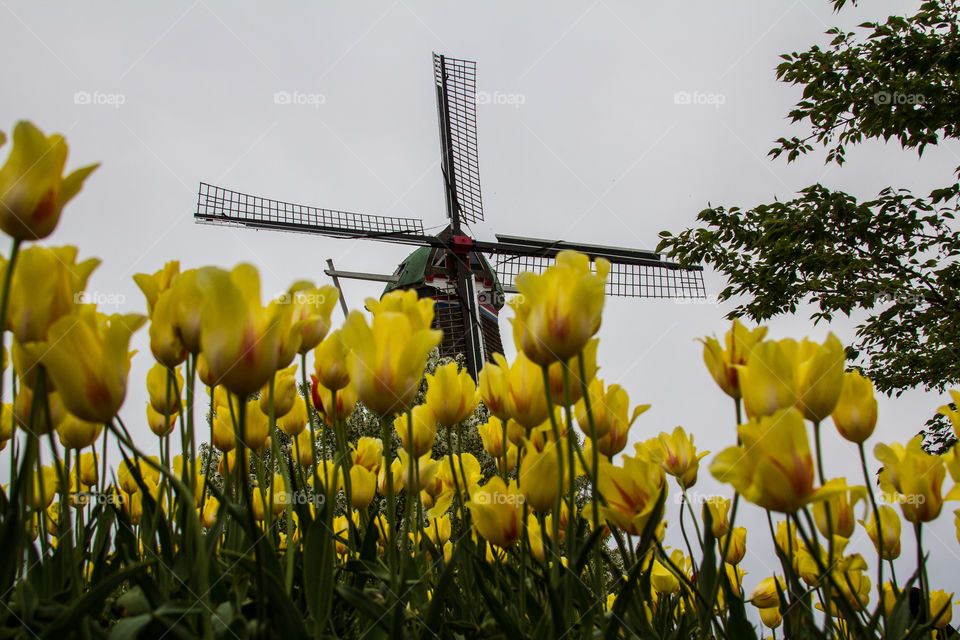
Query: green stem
[(5, 298), (876, 519)]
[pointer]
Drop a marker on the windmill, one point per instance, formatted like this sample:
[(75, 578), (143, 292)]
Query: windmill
[(452, 267)]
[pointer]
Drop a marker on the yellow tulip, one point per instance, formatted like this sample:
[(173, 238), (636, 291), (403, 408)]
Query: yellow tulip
[(852, 581), (88, 361), (890, 527), (228, 462), (723, 362), (8, 423), (677, 455), (295, 420), (497, 511), (75, 433), (719, 507), (470, 475), (855, 415), (918, 478), (537, 536), (631, 492), (396, 469), (240, 338), (558, 311), (952, 411), (423, 423), (387, 359), (770, 617), (767, 380), (363, 485), (539, 471), (818, 375), (367, 453), (46, 484), (526, 400), (88, 469), (589, 356), (311, 312), (662, 579), (33, 190), (256, 429), (330, 362), (438, 529), (165, 341), (738, 545), (23, 407), (152, 285), (425, 471), (451, 395), (46, 286), (841, 508), (303, 448), (492, 386), (766, 594), (774, 467), (419, 311), (492, 436), (616, 439), (187, 301), (610, 412), (941, 609), (211, 508), (224, 434), (164, 393), (284, 392)]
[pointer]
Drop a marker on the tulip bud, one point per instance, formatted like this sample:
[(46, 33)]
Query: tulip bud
[(330, 362), (451, 395), (737, 545), (492, 386), (889, 527), (295, 420), (538, 477), (855, 415), (33, 190), (363, 485), (718, 507), (558, 311), (766, 594), (78, 434), (421, 424)]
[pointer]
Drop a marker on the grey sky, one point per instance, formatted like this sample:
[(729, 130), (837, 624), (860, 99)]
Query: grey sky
[(583, 138)]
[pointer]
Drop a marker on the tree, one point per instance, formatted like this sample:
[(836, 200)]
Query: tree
[(894, 256)]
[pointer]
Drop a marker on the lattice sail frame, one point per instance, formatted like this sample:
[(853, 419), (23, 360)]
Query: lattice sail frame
[(457, 79), (625, 280), (224, 206)]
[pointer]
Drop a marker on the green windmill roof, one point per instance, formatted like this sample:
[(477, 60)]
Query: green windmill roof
[(414, 266)]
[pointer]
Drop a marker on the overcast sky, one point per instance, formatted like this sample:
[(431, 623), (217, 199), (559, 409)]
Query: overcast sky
[(582, 137)]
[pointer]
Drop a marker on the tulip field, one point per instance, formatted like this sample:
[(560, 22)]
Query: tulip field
[(319, 481)]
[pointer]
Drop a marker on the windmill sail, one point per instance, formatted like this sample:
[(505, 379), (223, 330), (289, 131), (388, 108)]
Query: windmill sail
[(216, 205), (456, 82)]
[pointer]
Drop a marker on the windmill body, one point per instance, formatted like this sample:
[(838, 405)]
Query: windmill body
[(452, 267)]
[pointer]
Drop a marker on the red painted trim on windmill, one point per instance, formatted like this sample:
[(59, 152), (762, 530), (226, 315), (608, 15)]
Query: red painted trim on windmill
[(462, 244)]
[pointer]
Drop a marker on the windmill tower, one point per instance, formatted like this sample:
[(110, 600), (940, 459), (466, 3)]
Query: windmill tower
[(452, 267)]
